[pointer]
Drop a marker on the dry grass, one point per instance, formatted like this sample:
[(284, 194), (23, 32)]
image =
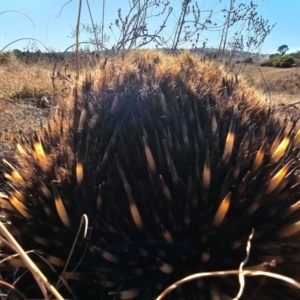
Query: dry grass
[(23, 86), (21, 80), (22, 108), (281, 83), (280, 87)]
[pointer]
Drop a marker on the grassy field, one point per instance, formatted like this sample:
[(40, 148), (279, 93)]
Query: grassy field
[(276, 80), (24, 86), (29, 92)]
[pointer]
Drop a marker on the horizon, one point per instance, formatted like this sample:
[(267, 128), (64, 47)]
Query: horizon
[(51, 23)]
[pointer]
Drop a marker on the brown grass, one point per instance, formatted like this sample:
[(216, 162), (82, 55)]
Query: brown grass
[(23, 86), (283, 84), (280, 87)]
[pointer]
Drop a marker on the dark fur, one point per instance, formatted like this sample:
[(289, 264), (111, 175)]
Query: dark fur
[(184, 123)]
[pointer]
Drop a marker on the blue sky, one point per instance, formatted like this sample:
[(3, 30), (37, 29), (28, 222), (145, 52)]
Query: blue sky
[(53, 28)]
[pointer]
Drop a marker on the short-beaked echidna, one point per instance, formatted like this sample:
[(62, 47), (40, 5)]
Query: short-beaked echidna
[(175, 163)]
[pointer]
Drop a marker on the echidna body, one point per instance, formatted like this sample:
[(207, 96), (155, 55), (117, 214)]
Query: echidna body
[(175, 167)]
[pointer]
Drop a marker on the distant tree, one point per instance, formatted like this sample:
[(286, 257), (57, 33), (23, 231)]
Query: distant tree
[(282, 49)]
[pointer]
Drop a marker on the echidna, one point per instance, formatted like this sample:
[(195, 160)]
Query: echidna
[(175, 164)]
